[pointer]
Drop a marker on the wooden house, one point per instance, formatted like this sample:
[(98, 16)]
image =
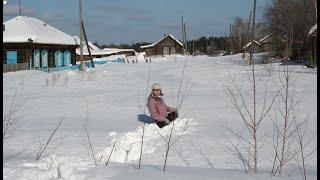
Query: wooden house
[(29, 43), (97, 52), (313, 40), (168, 44), (272, 43), (256, 47)]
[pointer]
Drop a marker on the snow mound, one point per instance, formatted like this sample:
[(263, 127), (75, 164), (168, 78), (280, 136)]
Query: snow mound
[(127, 145)]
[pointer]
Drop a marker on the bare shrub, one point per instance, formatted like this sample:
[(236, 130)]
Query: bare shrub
[(43, 145), (253, 106), (87, 134), (286, 107), (303, 142), (181, 97), (112, 148), (12, 118), (144, 112)]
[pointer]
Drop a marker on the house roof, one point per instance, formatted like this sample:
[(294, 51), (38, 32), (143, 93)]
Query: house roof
[(153, 44), (96, 50), (105, 51), (91, 45), (266, 37), (312, 30), (249, 43), (25, 29)]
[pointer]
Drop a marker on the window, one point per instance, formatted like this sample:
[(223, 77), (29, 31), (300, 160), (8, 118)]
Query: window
[(58, 57), (166, 50), (173, 50), (36, 58), (11, 57), (44, 58), (67, 57)]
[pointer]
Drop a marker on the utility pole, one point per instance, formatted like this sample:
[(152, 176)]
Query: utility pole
[(182, 34), (185, 37), (82, 65), (230, 40), (19, 8)]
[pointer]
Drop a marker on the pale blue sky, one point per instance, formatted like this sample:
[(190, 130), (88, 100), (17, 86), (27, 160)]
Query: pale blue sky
[(127, 21)]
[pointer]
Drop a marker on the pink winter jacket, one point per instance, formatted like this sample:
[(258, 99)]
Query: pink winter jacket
[(157, 108)]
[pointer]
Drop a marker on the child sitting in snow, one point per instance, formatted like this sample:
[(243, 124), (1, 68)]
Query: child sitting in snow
[(159, 111)]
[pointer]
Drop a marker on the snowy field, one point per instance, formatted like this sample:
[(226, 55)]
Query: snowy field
[(112, 96)]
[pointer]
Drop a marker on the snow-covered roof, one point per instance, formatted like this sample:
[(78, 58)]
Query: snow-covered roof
[(153, 44), (25, 29), (116, 50), (314, 28), (266, 37), (92, 46), (249, 43), (105, 51), (96, 50)]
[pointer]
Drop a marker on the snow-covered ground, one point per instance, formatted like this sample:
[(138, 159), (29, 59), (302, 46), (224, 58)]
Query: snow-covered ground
[(114, 95)]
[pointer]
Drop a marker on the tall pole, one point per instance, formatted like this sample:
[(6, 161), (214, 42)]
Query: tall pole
[(182, 28), (19, 8), (185, 37), (82, 66), (230, 40), (182, 34)]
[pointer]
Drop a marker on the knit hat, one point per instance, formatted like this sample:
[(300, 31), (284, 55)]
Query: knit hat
[(156, 86)]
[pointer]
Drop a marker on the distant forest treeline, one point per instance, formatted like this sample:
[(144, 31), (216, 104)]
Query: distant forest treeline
[(203, 44)]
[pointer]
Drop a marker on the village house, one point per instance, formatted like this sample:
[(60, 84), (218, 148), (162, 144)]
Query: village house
[(168, 44), (269, 43), (256, 47), (313, 37), (29, 43), (273, 43), (97, 52)]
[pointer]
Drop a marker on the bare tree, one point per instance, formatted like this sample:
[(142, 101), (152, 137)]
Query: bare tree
[(181, 97), (289, 102), (144, 112), (246, 106), (301, 129), (291, 20), (284, 129)]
